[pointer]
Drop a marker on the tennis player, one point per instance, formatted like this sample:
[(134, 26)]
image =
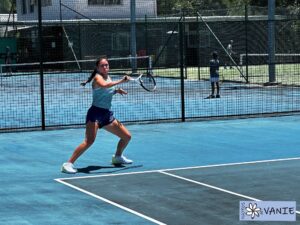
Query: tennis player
[(214, 65), (100, 116)]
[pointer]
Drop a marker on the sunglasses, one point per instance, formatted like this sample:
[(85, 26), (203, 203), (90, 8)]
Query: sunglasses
[(104, 65)]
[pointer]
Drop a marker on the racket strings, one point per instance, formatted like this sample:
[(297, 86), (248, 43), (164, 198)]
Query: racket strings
[(148, 82)]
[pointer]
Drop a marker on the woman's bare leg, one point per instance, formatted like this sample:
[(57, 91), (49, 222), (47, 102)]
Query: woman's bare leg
[(90, 136), (121, 131)]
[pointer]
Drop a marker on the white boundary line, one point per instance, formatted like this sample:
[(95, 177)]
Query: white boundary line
[(181, 168), (209, 186), (213, 187), (164, 171), (112, 203)]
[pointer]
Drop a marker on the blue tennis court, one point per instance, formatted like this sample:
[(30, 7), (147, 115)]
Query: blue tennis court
[(183, 173), (197, 160)]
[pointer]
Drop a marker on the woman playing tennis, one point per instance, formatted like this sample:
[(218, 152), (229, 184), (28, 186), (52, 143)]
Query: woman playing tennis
[(100, 116)]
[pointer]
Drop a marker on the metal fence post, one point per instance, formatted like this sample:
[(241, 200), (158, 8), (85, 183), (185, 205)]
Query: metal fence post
[(181, 50), (40, 35)]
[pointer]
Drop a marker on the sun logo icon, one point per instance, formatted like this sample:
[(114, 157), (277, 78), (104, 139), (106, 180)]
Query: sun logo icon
[(253, 210)]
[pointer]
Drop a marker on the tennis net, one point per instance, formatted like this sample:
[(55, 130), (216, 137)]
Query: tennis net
[(124, 64)]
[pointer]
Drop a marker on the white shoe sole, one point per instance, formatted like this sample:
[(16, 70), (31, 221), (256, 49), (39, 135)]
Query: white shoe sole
[(120, 163), (63, 170)]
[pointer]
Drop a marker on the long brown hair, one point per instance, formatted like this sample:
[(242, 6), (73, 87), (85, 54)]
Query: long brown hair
[(93, 74)]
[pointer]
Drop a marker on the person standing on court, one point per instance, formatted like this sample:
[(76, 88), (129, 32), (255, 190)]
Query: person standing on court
[(214, 65), (100, 116), (229, 52)]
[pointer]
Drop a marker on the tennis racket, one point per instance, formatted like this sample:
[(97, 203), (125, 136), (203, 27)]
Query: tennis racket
[(146, 81)]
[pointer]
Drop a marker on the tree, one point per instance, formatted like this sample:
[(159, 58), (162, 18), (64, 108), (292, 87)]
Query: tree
[(165, 7), (171, 6), (175, 6), (5, 6)]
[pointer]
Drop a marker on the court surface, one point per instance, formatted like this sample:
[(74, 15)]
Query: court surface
[(183, 173)]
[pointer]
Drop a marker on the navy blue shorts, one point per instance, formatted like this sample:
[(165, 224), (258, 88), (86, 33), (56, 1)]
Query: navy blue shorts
[(102, 116)]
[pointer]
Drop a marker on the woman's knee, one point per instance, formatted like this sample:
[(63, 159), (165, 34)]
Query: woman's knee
[(127, 137), (89, 141)]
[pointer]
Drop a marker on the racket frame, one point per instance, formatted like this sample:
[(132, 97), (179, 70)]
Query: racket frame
[(139, 80)]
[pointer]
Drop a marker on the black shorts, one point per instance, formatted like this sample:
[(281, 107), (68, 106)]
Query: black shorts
[(102, 116)]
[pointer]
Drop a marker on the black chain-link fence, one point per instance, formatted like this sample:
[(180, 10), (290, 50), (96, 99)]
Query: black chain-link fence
[(180, 47)]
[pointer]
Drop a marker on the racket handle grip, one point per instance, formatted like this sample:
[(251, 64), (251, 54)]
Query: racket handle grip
[(128, 78)]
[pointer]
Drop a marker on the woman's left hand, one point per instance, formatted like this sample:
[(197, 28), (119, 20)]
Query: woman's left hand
[(121, 91)]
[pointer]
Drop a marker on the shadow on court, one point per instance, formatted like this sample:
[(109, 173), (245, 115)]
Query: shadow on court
[(96, 169)]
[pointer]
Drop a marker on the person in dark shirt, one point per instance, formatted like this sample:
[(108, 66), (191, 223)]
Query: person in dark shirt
[(214, 65)]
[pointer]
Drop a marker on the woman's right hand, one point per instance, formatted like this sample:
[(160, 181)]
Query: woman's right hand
[(126, 78)]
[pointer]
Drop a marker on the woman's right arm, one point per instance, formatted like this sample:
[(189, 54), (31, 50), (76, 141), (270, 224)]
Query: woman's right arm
[(102, 83)]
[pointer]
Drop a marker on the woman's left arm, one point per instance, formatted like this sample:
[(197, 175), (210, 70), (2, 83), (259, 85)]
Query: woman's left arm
[(120, 91)]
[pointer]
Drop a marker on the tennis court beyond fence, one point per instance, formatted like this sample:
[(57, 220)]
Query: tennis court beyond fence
[(176, 49), (65, 102)]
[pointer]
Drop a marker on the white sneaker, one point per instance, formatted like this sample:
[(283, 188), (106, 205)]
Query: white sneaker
[(68, 168), (117, 160)]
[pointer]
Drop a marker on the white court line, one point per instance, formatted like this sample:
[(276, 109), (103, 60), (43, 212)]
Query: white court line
[(165, 171), (181, 168), (213, 187), (209, 186), (112, 203), (233, 164)]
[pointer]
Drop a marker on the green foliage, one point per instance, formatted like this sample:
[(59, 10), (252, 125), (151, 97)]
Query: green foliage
[(5, 6), (167, 7)]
